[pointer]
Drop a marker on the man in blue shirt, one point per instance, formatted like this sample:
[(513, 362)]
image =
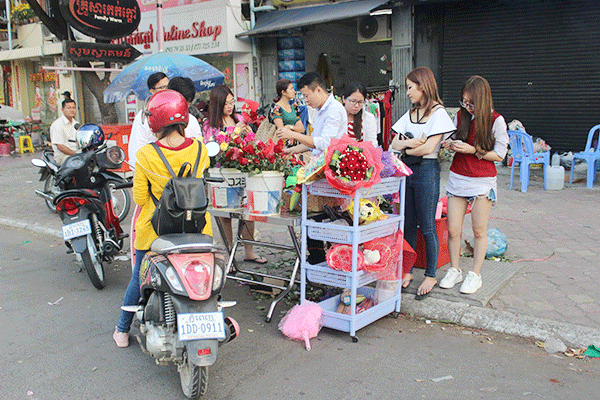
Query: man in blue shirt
[(331, 119)]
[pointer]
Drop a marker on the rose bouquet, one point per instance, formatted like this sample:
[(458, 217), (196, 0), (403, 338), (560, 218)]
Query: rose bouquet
[(245, 153)]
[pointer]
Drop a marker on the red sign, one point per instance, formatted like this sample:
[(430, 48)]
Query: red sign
[(102, 19)]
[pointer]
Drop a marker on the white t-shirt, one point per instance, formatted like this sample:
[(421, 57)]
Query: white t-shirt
[(439, 123), (141, 135), (63, 132)]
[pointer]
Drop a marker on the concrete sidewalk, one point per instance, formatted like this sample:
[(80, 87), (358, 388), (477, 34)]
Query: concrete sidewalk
[(552, 283)]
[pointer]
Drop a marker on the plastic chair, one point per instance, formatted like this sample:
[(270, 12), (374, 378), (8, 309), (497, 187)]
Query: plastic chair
[(25, 144), (590, 155), (521, 145)]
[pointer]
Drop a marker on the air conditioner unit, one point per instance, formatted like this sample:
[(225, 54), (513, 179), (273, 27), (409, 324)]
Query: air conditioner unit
[(374, 28)]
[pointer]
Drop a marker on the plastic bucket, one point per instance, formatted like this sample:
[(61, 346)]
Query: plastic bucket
[(556, 178), (264, 193), (385, 290), (229, 194)]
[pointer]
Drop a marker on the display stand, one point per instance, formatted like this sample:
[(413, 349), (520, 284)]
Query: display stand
[(355, 235)]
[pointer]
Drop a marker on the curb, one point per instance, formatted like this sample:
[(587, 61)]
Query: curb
[(32, 227), (501, 321)]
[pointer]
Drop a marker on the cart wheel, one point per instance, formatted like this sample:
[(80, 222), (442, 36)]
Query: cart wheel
[(268, 320), (395, 314), (354, 339)]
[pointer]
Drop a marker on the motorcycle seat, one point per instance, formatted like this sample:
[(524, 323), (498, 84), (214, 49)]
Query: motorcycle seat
[(181, 242)]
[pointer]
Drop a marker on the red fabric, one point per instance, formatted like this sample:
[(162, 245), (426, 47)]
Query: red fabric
[(387, 124), (468, 164)]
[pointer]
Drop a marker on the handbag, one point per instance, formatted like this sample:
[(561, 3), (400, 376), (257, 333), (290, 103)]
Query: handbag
[(265, 131), (183, 203), (408, 159)]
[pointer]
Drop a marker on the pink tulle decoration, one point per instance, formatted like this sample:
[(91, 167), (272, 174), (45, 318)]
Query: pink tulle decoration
[(302, 322)]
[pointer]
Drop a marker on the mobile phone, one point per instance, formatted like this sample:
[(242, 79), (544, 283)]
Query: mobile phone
[(408, 135)]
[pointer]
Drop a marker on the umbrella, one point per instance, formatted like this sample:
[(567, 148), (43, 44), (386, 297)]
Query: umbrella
[(134, 77), (10, 114)]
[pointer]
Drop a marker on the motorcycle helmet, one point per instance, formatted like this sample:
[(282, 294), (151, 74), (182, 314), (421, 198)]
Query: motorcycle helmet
[(166, 108), (90, 136)]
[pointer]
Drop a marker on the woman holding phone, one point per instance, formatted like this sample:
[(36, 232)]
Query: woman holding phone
[(419, 134), (480, 139)]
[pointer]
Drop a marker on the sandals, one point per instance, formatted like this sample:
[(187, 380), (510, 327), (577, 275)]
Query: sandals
[(423, 296)]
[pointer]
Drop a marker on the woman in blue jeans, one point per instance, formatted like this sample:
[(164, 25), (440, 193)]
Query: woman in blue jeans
[(419, 134)]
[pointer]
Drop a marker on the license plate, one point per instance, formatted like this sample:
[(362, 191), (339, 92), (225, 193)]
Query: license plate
[(194, 326), (77, 229)]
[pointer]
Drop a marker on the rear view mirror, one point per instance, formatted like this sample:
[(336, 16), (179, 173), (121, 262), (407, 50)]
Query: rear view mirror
[(38, 163), (213, 148)]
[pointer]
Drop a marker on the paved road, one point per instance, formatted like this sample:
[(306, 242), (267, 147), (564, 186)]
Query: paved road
[(65, 350), (555, 233)]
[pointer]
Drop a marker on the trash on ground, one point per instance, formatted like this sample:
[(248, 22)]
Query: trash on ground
[(489, 389), (554, 345), (443, 378), (593, 351), (55, 302)]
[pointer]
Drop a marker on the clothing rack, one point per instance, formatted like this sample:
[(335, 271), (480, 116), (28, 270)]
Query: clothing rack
[(372, 89)]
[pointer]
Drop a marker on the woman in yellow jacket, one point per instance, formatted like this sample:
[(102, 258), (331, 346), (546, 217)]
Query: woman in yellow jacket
[(167, 117)]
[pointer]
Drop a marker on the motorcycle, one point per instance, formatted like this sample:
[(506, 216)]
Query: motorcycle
[(84, 203), (180, 313), (121, 197)]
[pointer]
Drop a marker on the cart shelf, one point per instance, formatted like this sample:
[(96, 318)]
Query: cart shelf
[(353, 235)]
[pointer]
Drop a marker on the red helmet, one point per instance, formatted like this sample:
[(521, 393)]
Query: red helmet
[(166, 108)]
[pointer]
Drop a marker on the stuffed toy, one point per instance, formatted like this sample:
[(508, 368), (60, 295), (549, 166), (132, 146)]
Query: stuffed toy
[(367, 211)]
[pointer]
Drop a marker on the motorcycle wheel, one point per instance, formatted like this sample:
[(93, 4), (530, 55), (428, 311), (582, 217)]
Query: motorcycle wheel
[(194, 379), (51, 189), (93, 264), (121, 199)]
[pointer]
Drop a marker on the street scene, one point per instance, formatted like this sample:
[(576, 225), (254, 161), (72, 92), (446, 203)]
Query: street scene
[(299, 198)]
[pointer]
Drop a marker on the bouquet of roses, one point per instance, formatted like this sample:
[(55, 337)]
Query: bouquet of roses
[(245, 153), (351, 165)]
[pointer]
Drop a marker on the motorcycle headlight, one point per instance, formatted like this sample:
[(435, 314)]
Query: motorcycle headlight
[(115, 154)]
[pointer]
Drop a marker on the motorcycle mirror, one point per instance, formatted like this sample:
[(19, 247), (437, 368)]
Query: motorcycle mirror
[(38, 163), (213, 148)]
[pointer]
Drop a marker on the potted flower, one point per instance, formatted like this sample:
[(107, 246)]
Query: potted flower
[(265, 163), (23, 14)]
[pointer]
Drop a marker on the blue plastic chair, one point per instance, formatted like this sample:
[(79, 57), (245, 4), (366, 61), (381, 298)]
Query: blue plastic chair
[(590, 155), (521, 145)]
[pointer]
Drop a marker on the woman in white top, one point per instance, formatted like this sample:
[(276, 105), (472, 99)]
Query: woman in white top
[(481, 139), (420, 133), (362, 125)]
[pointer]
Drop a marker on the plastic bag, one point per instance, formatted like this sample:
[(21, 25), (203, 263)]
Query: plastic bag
[(540, 146), (496, 243)]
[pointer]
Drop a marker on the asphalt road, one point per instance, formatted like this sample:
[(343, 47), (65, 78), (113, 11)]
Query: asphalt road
[(65, 350)]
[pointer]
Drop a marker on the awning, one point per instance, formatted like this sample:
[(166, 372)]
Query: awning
[(303, 16), (47, 49)]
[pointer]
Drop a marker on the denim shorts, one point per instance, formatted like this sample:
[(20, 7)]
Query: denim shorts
[(490, 195)]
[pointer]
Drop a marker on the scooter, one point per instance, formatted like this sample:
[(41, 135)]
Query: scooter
[(181, 312), (84, 204), (121, 197)]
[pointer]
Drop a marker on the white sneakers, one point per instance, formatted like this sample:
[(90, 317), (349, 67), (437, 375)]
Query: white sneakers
[(453, 276), (470, 285)]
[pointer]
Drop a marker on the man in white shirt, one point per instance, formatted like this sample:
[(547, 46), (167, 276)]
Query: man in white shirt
[(141, 134), (331, 118), (63, 133)]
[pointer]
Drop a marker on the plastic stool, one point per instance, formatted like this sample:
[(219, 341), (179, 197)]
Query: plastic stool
[(25, 144)]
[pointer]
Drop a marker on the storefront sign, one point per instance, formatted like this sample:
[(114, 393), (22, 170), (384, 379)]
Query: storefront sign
[(186, 32), (49, 76), (150, 5), (84, 51), (102, 19)]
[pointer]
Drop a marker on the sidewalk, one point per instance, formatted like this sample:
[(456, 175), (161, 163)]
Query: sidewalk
[(556, 234)]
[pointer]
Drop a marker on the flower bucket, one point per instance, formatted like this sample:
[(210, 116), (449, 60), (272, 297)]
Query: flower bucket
[(229, 194), (264, 193), (4, 149)]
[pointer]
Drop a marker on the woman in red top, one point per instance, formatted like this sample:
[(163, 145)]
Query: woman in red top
[(481, 139)]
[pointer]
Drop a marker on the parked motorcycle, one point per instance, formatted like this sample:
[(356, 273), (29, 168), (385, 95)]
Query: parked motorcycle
[(121, 197), (84, 203), (181, 312)]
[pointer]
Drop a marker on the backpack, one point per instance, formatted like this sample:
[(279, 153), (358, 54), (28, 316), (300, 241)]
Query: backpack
[(182, 205)]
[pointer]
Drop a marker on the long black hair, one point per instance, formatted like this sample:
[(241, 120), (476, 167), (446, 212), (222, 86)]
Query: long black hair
[(357, 123)]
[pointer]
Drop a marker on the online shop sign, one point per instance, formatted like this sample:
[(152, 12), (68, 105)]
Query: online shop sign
[(187, 31)]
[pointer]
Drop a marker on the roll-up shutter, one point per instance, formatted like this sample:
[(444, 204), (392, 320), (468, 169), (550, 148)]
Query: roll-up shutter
[(542, 59)]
